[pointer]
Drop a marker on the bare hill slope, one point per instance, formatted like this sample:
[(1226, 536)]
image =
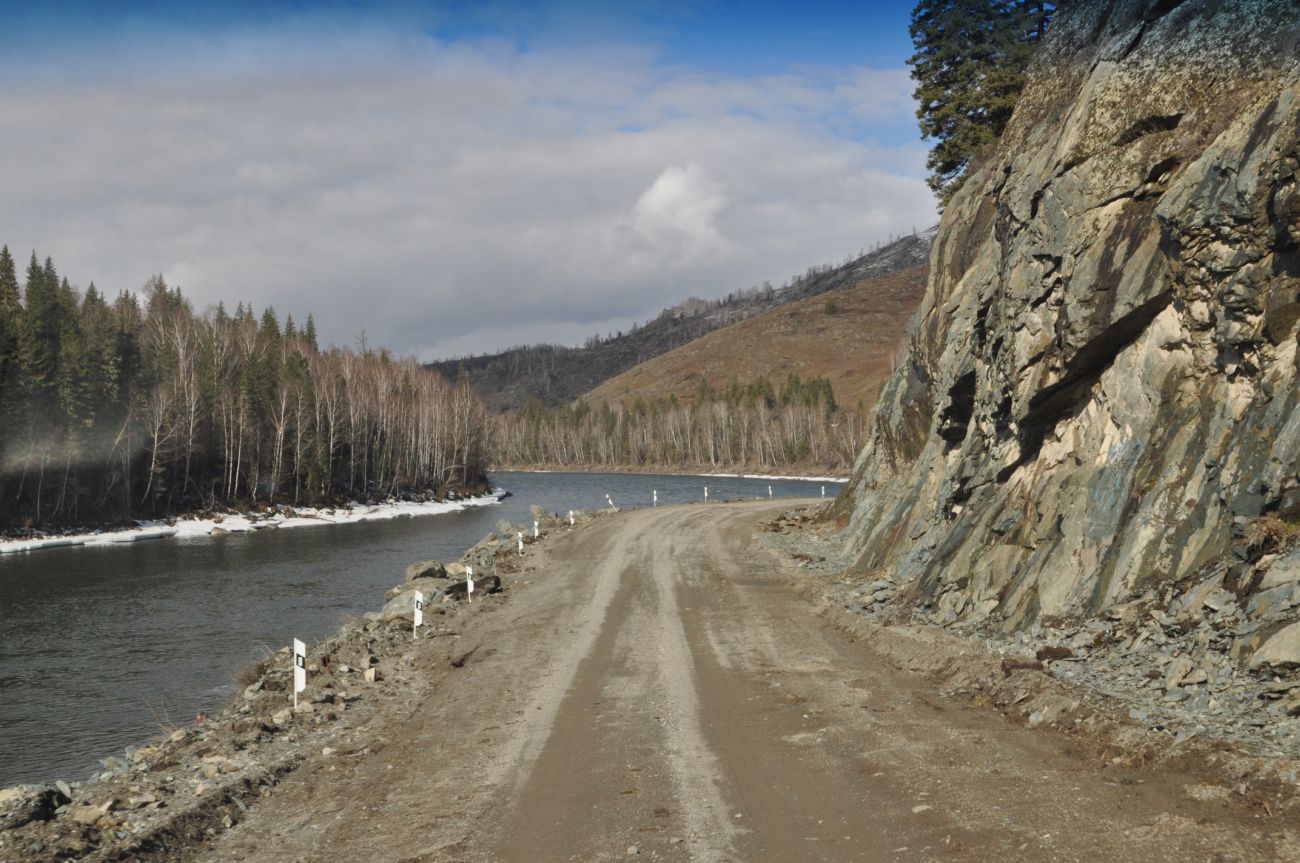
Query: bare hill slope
[(848, 335)]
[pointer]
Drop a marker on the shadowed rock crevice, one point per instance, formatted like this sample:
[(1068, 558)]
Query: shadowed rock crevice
[(1149, 126), (1161, 8), (1054, 403), (956, 415)]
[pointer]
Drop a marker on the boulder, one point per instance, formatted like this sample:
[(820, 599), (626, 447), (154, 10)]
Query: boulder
[(1274, 602), (425, 569), (456, 571), (487, 584), (1284, 571), (1282, 650), (402, 606), (88, 815), (23, 804)]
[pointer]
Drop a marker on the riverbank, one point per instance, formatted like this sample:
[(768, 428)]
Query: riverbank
[(281, 517), (199, 777)]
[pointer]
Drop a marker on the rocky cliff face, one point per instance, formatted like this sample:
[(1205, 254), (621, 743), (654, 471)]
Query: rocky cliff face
[(1099, 396)]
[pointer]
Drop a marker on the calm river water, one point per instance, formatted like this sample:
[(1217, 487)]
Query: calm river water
[(103, 646)]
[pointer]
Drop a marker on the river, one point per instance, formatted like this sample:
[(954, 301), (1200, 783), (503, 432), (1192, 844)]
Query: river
[(103, 647)]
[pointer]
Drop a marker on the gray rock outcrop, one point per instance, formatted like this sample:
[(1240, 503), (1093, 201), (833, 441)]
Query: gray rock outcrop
[(425, 569), (1099, 392)]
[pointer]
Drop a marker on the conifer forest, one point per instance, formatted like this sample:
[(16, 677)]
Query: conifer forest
[(137, 406)]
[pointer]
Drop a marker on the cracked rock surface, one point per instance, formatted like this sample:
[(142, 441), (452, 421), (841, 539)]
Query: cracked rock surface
[(1098, 399)]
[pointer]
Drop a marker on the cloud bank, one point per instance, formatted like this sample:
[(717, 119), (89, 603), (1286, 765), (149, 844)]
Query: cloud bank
[(446, 197)]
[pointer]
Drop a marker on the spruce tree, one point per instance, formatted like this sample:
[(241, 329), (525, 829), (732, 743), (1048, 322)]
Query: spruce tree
[(969, 67), (10, 312), (309, 333)]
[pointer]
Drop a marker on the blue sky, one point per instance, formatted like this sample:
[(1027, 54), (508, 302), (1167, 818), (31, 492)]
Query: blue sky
[(399, 167)]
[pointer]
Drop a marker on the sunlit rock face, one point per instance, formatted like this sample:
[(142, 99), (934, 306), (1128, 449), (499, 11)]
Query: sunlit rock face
[(1099, 393)]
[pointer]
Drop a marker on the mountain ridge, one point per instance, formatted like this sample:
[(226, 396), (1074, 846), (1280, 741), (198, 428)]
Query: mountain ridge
[(555, 374)]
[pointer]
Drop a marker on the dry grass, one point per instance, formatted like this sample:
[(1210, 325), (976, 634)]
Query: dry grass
[(1268, 533), (854, 345)]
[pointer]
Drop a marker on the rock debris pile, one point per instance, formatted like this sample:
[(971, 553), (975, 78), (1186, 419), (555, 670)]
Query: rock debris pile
[(1211, 663)]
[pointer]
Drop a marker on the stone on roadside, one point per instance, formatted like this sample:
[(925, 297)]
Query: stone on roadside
[(1178, 669), (425, 569), (456, 571), (1281, 572), (484, 585), (402, 606), (1282, 650), (88, 816)]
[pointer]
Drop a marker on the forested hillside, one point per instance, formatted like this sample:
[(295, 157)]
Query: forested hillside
[(556, 375), (743, 425), (138, 406)]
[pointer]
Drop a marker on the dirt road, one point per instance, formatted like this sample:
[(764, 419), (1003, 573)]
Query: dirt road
[(652, 688)]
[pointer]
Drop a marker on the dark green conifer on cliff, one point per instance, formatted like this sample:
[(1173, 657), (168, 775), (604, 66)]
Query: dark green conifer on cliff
[(969, 68)]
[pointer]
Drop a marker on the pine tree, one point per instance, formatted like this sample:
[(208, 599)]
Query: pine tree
[(969, 67)]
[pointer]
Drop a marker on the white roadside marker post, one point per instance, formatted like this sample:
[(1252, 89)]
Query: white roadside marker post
[(656, 496), (706, 494), (537, 529), (418, 618), (609, 500), (769, 492), (469, 584), (521, 543), (299, 670), (570, 518), (823, 491)]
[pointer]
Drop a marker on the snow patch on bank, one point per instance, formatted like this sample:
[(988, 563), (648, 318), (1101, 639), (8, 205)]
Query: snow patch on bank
[(184, 528), (776, 477)]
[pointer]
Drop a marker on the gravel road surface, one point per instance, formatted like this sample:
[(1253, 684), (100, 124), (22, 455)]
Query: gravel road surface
[(651, 687)]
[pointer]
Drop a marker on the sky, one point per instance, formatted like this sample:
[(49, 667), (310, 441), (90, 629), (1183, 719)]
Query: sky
[(454, 178)]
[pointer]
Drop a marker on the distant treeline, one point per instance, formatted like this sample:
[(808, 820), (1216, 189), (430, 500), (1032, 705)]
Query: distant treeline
[(744, 425), (140, 407)]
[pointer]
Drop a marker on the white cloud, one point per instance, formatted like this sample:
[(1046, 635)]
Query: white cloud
[(443, 196), (677, 217)]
